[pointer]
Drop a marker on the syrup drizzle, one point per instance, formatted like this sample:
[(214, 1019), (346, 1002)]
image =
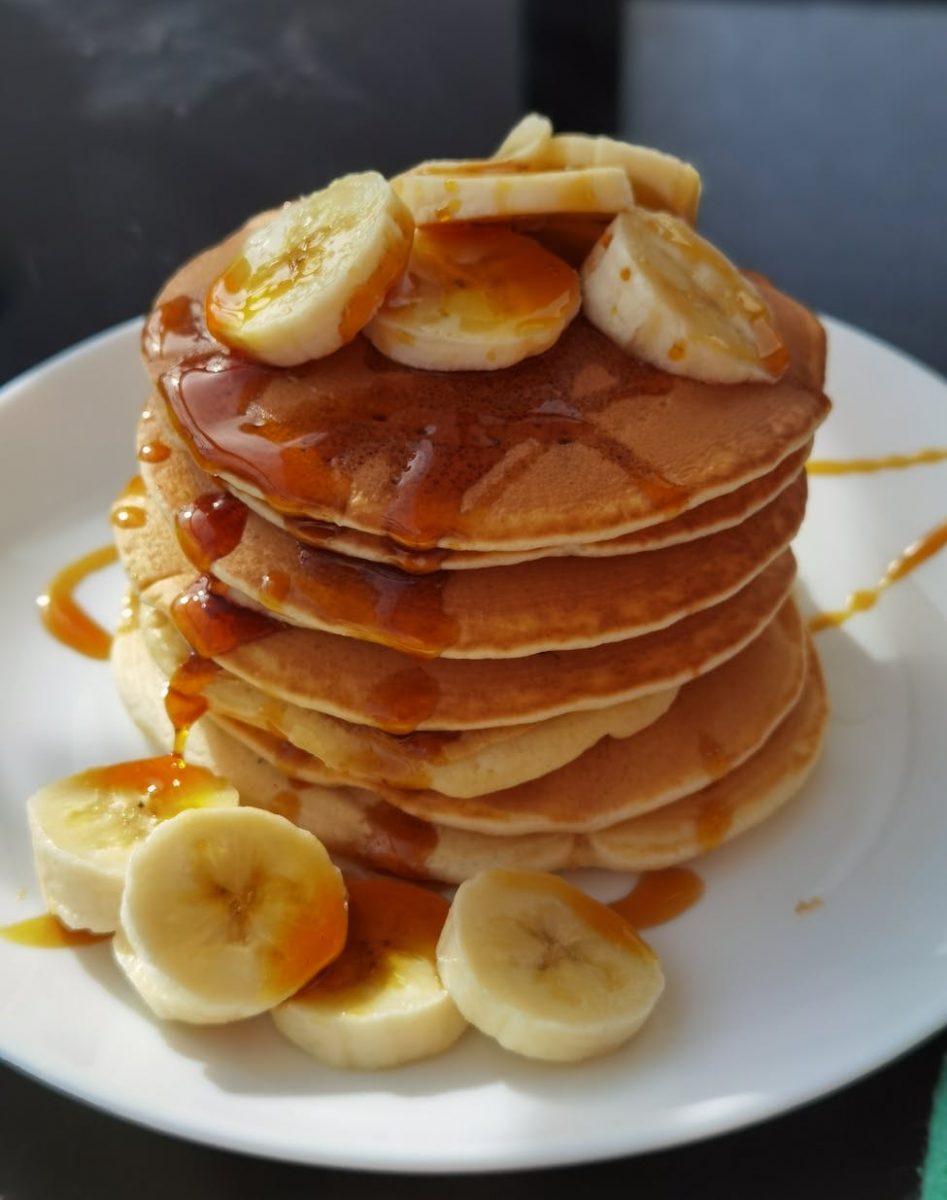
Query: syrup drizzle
[(660, 896), (47, 932), (889, 462), (62, 616), (860, 601), (302, 452)]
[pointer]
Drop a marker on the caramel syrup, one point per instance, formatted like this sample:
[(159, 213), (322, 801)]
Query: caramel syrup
[(130, 516), (47, 932), (213, 625), (210, 528), (660, 896), (851, 466), (62, 616), (154, 452), (167, 783), (397, 842), (918, 552), (184, 700), (302, 451)]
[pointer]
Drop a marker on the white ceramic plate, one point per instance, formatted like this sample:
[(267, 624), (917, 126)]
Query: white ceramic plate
[(764, 1009)]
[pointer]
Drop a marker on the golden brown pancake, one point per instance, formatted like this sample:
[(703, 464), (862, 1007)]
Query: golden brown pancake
[(576, 445), (721, 513), (496, 612), (371, 684), (461, 763), (716, 724), (351, 821), (736, 802)]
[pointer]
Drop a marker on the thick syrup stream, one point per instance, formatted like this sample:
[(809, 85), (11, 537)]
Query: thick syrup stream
[(63, 617)]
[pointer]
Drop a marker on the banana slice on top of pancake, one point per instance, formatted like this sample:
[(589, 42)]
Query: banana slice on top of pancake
[(309, 279), (664, 293), (475, 298)]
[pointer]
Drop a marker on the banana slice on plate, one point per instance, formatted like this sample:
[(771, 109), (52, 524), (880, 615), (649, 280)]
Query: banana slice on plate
[(475, 298), (226, 913), (547, 971), (439, 193), (667, 295), (85, 828), (660, 181), (381, 1003), (312, 276)]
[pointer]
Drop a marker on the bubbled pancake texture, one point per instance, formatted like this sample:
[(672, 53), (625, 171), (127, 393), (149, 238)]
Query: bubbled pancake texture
[(540, 617)]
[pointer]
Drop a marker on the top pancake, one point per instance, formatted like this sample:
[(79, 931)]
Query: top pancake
[(577, 445)]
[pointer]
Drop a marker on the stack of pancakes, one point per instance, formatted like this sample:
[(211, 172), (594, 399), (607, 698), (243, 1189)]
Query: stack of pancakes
[(536, 617)]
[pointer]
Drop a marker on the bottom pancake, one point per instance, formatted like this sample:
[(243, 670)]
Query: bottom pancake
[(356, 823)]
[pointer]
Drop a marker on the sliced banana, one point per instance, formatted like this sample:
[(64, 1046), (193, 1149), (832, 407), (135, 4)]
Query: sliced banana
[(381, 1003), (85, 828), (310, 278), (660, 181), (526, 141), (666, 294), (544, 969), (226, 913), (441, 193), (475, 298)]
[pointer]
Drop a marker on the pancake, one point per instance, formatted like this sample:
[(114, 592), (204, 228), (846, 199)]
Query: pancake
[(351, 821), (721, 513), (716, 724), (495, 612), (580, 444), (735, 803), (370, 684), (463, 763)]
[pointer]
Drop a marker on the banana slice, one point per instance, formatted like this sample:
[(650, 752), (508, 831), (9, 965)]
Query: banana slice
[(226, 913), (475, 299), (544, 969), (660, 290), (85, 828), (311, 277), (381, 1002), (526, 141), (660, 181), (442, 193)]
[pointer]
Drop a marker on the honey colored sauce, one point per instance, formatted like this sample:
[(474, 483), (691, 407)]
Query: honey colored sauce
[(213, 625), (46, 932), (851, 466), (154, 452), (184, 700), (712, 754), (405, 698), (130, 515), (63, 617), (301, 436), (398, 842), (660, 896), (210, 528), (918, 552), (713, 824), (167, 783)]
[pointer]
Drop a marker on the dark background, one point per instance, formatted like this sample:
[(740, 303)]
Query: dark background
[(135, 132)]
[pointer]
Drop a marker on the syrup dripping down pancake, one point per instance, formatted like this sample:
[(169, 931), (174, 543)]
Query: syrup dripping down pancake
[(496, 612), (576, 445), (370, 684)]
